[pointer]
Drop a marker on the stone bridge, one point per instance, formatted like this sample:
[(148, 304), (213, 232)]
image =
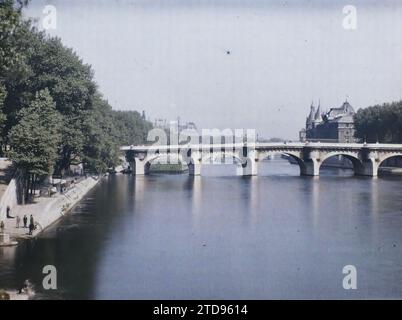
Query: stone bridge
[(366, 158)]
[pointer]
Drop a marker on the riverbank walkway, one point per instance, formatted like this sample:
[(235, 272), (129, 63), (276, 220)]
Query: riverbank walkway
[(47, 210)]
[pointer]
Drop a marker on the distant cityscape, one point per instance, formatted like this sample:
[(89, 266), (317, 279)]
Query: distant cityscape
[(333, 124), (166, 124)]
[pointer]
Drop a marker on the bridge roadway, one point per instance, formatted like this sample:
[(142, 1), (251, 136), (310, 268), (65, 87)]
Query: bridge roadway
[(366, 158)]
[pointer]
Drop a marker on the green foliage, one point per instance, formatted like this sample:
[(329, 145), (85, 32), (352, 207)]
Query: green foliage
[(380, 123), (3, 94), (100, 150), (131, 128), (34, 140), (51, 113), (10, 21)]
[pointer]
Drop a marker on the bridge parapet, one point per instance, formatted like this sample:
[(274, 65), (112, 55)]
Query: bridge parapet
[(366, 158)]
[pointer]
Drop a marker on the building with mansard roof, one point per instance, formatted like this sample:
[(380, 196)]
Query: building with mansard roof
[(335, 125)]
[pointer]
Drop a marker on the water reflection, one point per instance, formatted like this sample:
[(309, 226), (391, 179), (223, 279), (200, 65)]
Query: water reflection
[(315, 200), (195, 185)]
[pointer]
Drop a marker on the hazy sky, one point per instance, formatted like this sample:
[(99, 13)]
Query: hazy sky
[(170, 58)]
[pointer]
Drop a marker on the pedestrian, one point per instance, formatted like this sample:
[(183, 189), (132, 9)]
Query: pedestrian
[(31, 228), (18, 221), (2, 226), (8, 213), (25, 220), (31, 225)]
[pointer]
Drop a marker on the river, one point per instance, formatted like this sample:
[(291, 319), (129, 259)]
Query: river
[(221, 236)]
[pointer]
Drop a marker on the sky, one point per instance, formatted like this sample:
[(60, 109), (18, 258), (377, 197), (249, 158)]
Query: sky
[(235, 63)]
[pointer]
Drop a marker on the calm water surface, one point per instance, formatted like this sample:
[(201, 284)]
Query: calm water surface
[(219, 236)]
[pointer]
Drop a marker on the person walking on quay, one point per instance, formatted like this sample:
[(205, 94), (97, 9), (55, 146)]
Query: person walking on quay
[(25, 219), (8, 213), (31, 225), (31, 229), (2, 226), (17, 221)]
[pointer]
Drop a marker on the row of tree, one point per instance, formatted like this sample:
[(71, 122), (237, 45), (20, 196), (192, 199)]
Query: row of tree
[(51, 112), (382, 123)]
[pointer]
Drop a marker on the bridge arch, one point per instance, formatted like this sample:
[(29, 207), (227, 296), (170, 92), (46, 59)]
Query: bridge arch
[(296, 157), (206, 158), (244, 165), (383, 160), (144, 166), (357, 164)]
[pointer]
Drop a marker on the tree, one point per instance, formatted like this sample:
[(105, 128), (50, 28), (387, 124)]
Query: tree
[(70, 82), (3, 118), (35, 140), (100, 150), (10, 21), (130, 127), (70, 150), (11, 58), (380, 123), (38, 69)]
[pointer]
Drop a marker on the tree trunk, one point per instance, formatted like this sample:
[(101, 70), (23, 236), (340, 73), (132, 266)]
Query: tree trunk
[(28, 180), (34, 184), (24, 188)]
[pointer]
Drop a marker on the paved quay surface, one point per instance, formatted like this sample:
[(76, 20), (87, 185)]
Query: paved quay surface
[(47, 210)]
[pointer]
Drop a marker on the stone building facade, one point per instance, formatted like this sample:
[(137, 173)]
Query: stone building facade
[(336, 125)]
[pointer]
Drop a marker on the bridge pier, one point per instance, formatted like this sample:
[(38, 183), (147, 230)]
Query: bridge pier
[(310, 167), (249, 168), (194, 169), (194, 164), (368, 168), (140, 167)]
